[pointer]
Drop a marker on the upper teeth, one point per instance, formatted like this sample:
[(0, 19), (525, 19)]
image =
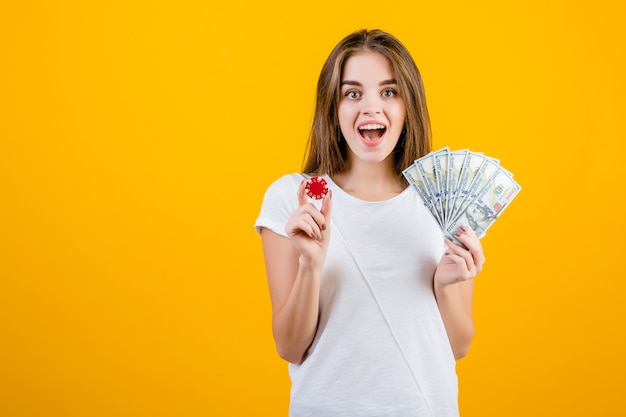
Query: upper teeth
[(373, 126)]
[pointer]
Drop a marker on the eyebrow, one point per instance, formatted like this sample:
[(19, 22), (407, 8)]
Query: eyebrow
[(358, 84)]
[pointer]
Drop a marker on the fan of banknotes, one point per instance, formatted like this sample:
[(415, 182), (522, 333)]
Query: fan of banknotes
[(462, 188)]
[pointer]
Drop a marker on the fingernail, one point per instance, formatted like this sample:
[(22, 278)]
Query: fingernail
[(324, 226), (463, 228), (457, 233), (330, 194)]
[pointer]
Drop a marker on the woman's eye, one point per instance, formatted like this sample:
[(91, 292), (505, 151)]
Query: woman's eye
[(389, 93), (353, 94)]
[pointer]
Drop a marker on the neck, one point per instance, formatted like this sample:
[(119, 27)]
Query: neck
[(372, 181)]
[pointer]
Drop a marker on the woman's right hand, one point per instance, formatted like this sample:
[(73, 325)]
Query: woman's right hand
[(309, 228)]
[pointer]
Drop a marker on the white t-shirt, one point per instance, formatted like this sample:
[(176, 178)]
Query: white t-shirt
[(381, 348)]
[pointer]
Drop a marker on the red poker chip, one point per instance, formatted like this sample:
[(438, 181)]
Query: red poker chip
[(316, 188)]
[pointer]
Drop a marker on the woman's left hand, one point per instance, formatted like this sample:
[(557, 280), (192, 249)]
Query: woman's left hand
[(459, 264)]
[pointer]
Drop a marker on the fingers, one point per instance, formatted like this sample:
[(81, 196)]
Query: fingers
[(307, 218), (327, 205), (473, 256), (302, 198), (304, 223), (462, 258), (472, 242)]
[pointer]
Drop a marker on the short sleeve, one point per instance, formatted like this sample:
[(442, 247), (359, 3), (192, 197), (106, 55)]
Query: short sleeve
[(279, 201)]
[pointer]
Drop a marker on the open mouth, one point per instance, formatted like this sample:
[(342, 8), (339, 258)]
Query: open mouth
[(372, 131)]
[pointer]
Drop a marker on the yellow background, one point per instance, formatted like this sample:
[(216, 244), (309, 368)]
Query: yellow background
[(137, 139)]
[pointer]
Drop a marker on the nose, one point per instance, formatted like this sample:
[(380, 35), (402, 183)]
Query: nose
[(372, 105)]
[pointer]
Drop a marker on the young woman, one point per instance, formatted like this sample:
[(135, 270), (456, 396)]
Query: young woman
[(371, 305)]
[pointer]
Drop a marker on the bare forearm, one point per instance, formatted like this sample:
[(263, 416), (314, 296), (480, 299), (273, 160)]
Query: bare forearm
[(294, 326), (457, 317)]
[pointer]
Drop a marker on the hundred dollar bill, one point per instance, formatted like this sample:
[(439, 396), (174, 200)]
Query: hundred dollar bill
[(414, 178), (471, 164), (456, 160), (462, 188), (487, 170), (491, 200), (432, 176), (441, 173), (426, 168)]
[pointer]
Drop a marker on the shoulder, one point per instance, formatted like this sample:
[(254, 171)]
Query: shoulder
[(283, 190), (279, 201), (287, 183)]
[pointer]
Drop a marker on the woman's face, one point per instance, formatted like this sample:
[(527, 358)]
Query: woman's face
[(371, 111)]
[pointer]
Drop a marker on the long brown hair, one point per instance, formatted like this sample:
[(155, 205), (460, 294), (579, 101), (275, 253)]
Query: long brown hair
[(326, 152)]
